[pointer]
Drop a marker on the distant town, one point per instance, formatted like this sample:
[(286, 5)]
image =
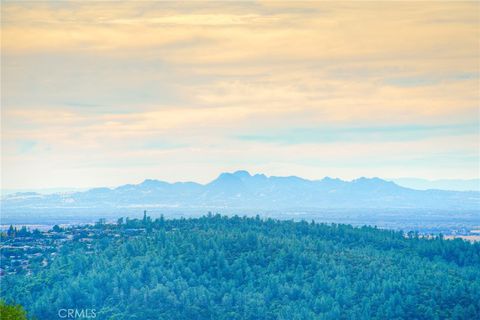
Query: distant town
[(25, 251)]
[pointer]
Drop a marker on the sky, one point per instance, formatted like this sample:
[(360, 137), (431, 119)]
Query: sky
[(106, 93)]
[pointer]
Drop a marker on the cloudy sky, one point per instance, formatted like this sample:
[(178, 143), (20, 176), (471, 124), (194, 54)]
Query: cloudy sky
[(103, 93)]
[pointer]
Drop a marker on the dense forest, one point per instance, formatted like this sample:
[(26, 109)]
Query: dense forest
[(217, 267)]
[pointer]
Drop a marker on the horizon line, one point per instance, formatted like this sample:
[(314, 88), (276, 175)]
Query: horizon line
[(53, 190)]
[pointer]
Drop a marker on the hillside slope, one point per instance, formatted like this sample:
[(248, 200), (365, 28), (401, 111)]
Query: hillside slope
[(245, 268)]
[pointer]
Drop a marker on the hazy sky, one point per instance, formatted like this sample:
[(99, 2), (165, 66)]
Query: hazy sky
[(103, 93)]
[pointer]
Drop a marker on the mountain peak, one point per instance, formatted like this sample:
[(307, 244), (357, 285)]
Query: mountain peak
[(225, 177), (242, 174), (375, 182), (235, 176), (365, 179), (149, 181), (152, 183), (328, 179)]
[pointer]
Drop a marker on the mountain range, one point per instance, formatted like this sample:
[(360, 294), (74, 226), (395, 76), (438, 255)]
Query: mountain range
[(242, 190), (444, 184)]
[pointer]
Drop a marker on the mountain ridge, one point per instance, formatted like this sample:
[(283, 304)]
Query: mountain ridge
[(240, 189), (441, 184)]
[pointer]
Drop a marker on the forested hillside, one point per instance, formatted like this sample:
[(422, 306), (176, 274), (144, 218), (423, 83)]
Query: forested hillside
[(248, 268)]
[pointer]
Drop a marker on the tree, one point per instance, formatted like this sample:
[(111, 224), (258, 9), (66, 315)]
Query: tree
[(12, 311), (56, 228), (11, 231)]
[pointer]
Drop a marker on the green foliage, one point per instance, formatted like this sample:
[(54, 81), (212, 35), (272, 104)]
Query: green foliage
[(56, 228), (247, 268), (12, 312)]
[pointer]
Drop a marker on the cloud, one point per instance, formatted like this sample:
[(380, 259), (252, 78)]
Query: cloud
[(326, 134), (165, 89)]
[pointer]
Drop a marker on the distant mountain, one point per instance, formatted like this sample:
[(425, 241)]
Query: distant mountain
[(445, 184), (241, 190), (5, 192)]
